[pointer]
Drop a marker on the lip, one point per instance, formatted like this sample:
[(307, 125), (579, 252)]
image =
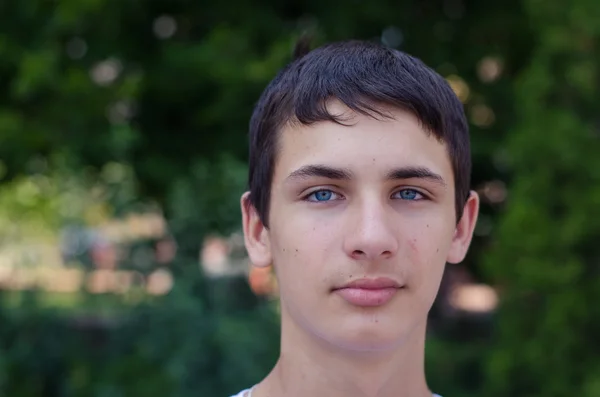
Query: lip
[(372, 283), (369, 292)]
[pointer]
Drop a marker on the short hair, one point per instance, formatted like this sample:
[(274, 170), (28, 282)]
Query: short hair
[(366, 77)]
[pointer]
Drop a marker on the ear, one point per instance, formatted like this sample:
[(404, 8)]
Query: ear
[(464, 230), (256, 235)]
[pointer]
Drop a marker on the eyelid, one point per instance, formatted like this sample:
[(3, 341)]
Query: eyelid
[(314, 189), (425, 195), (304, 196)]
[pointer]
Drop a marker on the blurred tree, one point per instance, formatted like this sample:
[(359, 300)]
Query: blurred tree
[(546, 257)]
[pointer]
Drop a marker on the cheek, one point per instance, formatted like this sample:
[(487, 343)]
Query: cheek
[(301, 256), (303, 237), (427, 248)]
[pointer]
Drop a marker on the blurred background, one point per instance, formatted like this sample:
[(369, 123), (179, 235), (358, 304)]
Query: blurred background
[(123, 155)]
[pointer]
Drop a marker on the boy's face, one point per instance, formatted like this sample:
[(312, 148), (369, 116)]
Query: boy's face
[(372, 202)]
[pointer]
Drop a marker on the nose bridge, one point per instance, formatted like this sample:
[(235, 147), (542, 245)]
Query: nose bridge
[(372, 234)]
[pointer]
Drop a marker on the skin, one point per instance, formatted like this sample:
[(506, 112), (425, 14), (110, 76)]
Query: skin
[(372, 199)]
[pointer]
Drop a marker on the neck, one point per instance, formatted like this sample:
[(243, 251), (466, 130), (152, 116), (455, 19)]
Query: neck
[(309, 366)]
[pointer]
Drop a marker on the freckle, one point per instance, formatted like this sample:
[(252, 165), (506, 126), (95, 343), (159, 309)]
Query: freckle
[(296, 249), (427, 225), (437, 250)]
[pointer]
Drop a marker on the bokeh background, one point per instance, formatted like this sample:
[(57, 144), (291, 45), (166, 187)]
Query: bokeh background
[(123, 155)]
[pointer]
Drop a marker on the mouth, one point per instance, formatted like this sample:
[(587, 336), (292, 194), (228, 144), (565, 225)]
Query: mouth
[(369, 292)]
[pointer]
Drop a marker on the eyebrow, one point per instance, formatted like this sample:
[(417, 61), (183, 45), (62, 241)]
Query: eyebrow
[(416, 173), (321, 171), (334, 173)]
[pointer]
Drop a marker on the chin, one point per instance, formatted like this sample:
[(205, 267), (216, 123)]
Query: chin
[(370, 336), (367, 343), (358, 331)]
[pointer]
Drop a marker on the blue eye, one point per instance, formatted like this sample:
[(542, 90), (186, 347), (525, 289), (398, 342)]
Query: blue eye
[(321, 195), (409, 194)]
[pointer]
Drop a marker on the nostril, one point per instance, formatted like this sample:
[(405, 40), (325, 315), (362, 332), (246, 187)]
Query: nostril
[(358, 253)]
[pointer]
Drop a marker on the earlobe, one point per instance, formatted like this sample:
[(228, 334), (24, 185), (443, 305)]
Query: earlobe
[(463, 233), (256, 235)]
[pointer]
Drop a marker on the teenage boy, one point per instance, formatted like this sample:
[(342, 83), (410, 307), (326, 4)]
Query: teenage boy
[(359, 193)]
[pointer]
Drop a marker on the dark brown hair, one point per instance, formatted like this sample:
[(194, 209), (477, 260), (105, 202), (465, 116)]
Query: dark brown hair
[(366, 77)]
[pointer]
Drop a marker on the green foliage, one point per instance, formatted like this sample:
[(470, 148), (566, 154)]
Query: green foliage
[(549, 323), (174, 346)]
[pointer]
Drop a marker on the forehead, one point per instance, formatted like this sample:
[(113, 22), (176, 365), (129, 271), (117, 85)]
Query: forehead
[(364, 144)]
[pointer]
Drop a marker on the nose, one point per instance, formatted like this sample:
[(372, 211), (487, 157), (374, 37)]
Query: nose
[(371, 234)]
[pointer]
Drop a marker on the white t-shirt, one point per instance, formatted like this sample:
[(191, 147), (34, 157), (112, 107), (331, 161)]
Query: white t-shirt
[(243, 394)]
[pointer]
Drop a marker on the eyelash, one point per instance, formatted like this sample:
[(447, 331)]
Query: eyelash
[(307, 197)]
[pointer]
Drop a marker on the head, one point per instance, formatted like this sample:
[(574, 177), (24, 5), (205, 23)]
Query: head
[(359, 170)]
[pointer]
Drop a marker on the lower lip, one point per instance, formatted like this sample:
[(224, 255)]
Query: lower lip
[(367, 297)]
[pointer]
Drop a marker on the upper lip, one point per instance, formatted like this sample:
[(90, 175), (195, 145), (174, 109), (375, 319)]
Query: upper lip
[(372, 283)]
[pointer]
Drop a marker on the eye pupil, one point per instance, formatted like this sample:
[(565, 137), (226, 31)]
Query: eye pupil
[(323, 195), (408, 194)]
